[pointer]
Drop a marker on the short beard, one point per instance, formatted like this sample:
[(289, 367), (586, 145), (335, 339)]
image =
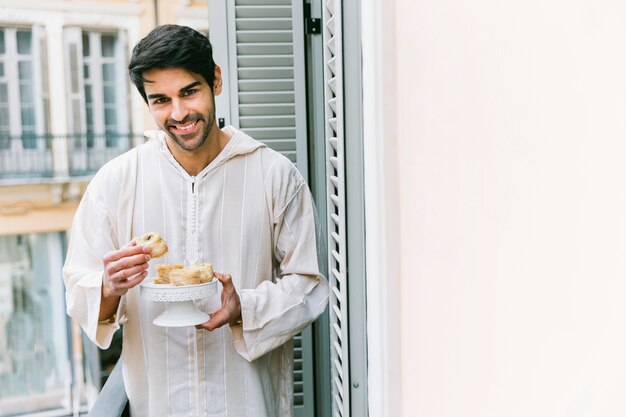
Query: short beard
[(204, 134)]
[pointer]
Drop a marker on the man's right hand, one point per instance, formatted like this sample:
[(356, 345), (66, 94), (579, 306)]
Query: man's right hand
[(123, 269)]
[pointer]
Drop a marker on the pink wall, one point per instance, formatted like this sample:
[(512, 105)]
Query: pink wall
[(510, 144)]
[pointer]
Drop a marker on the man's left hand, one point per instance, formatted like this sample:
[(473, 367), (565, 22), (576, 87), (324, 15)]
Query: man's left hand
[(230, 311)]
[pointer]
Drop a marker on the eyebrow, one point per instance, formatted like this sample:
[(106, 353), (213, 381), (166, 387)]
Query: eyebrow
[(185, 88)]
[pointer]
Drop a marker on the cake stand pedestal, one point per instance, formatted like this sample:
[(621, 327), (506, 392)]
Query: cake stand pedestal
[(180, 309)]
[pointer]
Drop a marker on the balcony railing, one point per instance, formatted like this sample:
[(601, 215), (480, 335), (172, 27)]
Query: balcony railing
[(32, 157)]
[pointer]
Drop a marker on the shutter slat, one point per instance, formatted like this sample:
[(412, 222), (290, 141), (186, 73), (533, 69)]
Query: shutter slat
[(333, 104), (255, 48), (266, 73), (267, 109), (257, 23), (339, 387), (282, 60), (263, 11), (266, 85), (254, 97), (338, 277), (263, 36), (272, 133), (266, 121)]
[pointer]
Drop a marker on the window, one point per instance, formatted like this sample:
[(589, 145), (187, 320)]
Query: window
[(98, 87), (101, 79), (35, 341), (98, 97), (23, 97)]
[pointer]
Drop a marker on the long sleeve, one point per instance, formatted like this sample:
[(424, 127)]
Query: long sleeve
[(276, 311), (102, 223), (91, 237)]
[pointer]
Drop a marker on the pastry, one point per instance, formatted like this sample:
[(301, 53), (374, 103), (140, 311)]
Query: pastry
[(163, 272), (206, 271), (155, 242), (184, 276)]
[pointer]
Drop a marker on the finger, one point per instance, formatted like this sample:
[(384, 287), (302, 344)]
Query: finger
[(120, 284), (124, 252), (217, 320), (129, 273), (129, 262), (136, 279), (225, 279)]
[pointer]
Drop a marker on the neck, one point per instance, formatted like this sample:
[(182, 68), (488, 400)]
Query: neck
[(195, 161)]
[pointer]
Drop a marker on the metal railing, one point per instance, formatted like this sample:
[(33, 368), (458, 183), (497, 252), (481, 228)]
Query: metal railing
[(26, 156), (32, 157)]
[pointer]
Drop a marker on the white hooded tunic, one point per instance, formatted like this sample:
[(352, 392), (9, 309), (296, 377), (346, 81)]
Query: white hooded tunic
[(251, 215)]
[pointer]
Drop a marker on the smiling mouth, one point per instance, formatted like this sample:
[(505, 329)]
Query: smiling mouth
[(184, 128)]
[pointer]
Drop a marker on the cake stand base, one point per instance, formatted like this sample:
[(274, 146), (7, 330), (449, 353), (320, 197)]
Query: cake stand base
[(181, 314)]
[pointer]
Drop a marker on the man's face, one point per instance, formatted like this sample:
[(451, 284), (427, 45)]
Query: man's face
[(182, 104)]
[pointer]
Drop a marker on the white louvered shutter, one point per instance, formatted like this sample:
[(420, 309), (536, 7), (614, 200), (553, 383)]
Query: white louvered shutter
[(260, 47), (334, 130), (266, 79)]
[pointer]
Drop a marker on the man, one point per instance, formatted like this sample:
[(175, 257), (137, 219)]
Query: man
[(216, 196)]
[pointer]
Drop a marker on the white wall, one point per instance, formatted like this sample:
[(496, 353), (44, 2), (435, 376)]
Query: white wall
[(510, 143)]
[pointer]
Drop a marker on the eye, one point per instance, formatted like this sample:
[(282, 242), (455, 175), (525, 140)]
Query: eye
[(188, 93), (160, 100)]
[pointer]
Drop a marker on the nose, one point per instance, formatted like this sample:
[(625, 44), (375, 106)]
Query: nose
[(179, 110)]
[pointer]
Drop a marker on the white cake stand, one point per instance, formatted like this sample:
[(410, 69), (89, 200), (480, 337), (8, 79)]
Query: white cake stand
[(180, 309)]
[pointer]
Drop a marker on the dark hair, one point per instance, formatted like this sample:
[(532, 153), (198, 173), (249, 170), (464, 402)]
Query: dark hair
[(172, 46)]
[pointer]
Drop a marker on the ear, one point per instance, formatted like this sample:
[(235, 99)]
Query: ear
[(217, 83)]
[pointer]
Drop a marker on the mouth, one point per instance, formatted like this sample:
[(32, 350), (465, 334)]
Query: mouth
[(184, 128)]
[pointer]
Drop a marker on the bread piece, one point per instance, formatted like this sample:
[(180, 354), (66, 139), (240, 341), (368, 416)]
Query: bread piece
[(206, 271), (163, 272), (184, 276), (155, 242)]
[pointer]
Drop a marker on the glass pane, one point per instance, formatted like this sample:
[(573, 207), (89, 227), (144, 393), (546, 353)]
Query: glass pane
[(25, 69), (2, 48), (4, 119), (88, 97), (28, 117), (110, 117), (5, 140), (86, 71), (111, 141), (108, 45), (108, 72), (109, 94), (33, 330), (89, 114), (26, 93), (86, 49), (1, 69), (4, 93), (28, 127), (24, 42)]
